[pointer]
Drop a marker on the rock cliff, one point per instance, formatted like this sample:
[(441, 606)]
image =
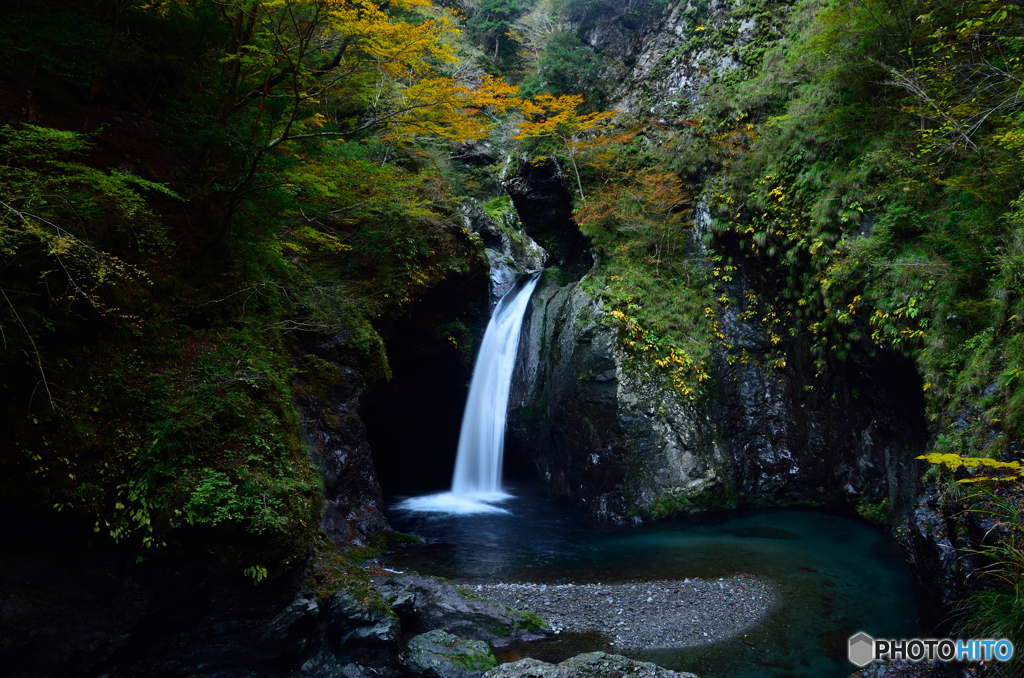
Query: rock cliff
[(606, 431)]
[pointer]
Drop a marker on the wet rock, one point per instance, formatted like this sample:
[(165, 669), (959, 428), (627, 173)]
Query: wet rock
[(475, 152), (540, 193), (442, 655), (328, 396), (295, 623), (401, 600), (589, 665), (358, 622), (510, 251), (439, 604), (601, 436), (908, 669), (606, 430), (326, 665), (940, 540)]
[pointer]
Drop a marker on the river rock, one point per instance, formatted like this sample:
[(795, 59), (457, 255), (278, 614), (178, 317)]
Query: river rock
[(645, 615), (439, 604), (362, 626), (400, 599), (442, 655), (589, 665)]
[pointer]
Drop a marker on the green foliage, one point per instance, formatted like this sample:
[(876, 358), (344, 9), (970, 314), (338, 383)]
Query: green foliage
[(528, 620), (52, 203), (161, 274), (864, 165), (874, 513), (498, 207), (257, 572), (652, 289), (997, 611), (860, 220), (566, 67), (491, 24), (1012, 469)]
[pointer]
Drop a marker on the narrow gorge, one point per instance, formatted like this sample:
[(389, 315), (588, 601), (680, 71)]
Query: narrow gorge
[(509, 338)]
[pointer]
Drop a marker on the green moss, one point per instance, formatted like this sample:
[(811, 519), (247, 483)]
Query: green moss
[(498, 207), (316, 377), (526, 621), (473, 661), (464, 592), (877, 513), (334, 570), (396, 538), (470, 655)]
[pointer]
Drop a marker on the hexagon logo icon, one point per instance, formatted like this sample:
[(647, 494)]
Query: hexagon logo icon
[(862, 649)]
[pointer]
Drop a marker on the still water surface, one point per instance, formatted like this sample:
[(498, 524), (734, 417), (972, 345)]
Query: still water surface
[(835, 576)]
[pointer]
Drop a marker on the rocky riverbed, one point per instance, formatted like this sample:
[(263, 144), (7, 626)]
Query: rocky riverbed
[(645, 614)]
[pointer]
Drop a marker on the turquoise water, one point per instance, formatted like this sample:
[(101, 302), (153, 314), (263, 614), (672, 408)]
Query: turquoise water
[(835, 576)]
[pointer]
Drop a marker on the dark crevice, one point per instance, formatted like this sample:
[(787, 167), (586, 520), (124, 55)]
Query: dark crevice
[(413, 420)]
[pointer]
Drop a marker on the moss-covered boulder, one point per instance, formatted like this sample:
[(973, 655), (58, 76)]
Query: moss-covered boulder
[(441, 655), (362, 626), (439, 604), (589, 665)]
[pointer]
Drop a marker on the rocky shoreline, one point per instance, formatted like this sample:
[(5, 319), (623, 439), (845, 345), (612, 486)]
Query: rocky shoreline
[(642, 615)]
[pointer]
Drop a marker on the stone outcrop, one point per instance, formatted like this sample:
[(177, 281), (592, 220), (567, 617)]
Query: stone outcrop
[(181, 614), (438, 604), (665, 53), (509, 250), (600, 436), (540, 193), (606, 431), (589, 665), (329, 397)]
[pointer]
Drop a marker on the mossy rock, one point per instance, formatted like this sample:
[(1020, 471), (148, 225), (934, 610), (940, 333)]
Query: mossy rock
[(589, 665), (441, 655), (442, 605)]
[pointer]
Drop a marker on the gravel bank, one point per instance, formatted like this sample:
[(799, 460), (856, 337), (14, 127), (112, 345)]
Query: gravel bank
[(645, 614)]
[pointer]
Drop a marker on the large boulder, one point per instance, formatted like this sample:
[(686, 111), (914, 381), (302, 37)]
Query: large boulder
[(362, 621), (589, 665), (439, 604), (602, 433), (441, 655)]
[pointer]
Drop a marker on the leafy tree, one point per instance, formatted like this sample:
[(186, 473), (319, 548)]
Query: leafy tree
[(302, 138), (493, 23), (51, 206), (566, 67), (573, 133), (308, 69)]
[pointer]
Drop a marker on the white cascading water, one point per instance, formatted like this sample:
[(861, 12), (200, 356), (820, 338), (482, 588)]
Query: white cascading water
[(476, 485)]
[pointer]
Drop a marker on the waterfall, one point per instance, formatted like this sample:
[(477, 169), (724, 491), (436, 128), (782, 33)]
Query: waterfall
[(482, 439), (476, 485)]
